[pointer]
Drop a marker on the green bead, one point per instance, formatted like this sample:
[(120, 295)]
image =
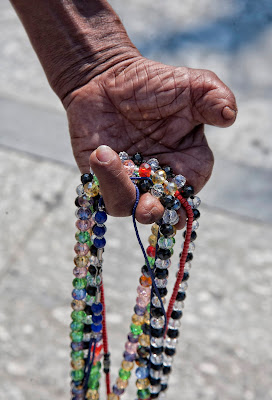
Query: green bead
[(124, 375), (89, 243), (93, 384), (94, 375), (136, 329), (80, 283), (95, 180), (77, 355), (143, 394), (98, 365), (172, 251), (77, 326), (151, 261), (82, 237), (148, 307), (78, 316), (76, 336), (77, 375)]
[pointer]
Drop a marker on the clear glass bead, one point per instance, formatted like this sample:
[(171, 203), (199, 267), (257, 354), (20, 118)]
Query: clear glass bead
[(196, 202), (123, 156), (171, 343), (90, 300), (163, 263), (155, 389), (166, 243), (191, 246), (154, 164), (174, 323), (157, 190), (156, 302), (157, 342), (91, 280), (155, 374), (170, 217), (179, 180), (156, 359), (161, 283), (195, 225), (162, 396), (87, 337), (187, 266), (80, 190), (167, 361), (88, 320), (93, 260), (178, 305), (157, 323), (183, 286), (164, 379)]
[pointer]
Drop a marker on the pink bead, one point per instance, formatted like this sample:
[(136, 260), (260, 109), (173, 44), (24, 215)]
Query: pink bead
[(80, 272), (142, 301), (144, 291), (81, 249), (83, 225), (131, 347), (85, 201), (129, 167)]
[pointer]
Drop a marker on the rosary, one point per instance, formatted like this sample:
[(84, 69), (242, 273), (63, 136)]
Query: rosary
[(152, 340)]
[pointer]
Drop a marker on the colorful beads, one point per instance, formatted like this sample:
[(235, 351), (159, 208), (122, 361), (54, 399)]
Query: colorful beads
[(145, 170), (129, 167), (136, 329)]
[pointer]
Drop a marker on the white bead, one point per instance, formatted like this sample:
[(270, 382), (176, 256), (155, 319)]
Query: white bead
[(163, 263), (155, 389), (157, 342), (80, 190), (123, 156), (161, 283), (178, 305), (167, 361), (156, 359), (179, 180), (154, 164), (157, 323), (174, 323), (170, 217), (155, 374), (157, 190), (171, 343), (195, 225)]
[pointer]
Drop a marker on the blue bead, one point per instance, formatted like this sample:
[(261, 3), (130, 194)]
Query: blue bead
[(96, 328), (129, 356), (99, 231), (139, 310), (100, 217), (97, 308), (117, 391), (132, 338), (97, 319), (79, 294), (77, 346), (142, 372), (99, 243), (84, 213), (77, 391)]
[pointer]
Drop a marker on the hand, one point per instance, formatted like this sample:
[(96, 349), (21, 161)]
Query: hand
[(147, 107)]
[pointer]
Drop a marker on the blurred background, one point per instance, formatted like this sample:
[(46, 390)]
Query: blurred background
[(225, 348)]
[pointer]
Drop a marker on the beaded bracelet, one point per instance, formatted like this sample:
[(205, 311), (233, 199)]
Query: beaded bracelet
[(153, 333)]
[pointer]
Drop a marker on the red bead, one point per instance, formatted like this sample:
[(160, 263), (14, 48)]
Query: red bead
[(145, 170), (151, 251)]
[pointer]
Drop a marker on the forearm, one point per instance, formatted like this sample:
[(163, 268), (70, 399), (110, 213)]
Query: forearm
[(75, 40)]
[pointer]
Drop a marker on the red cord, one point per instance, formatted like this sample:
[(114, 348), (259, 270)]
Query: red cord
[(105, 336), (183, 257)]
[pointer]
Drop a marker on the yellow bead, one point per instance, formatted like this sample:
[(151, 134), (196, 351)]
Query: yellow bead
[(81, 261), (113, 396), (127, 365), (152, 240), (78, 305), (78, 364), (171, 188), (147, 318), (91, 189), (159, 176), (144, 340), (121, 384), (142, 383), (92, 394), (137, 319), (155, 229)]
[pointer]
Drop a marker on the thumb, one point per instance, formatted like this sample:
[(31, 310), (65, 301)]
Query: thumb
[(213, 103)]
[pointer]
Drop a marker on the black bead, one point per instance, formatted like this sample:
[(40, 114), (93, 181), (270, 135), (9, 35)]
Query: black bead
[(169, 352), (156, 350), (186, 276), (143, 352), (189, 257), (166, 370), (166, 230), (154, 395), (163, 291), (92, 269), (176, 314), (156, 312), (156, 367), (146, 329), (93, 250), (88, 309), (137, 159), (85, 178), (145, 185), (164, 387), (77, 203), (91, 290), (161, 273), (86, 345), (173, 333), (87, 328), (163, 254), (169, 171), (106, 370), (106, 356), (181, 296), (167, 200), (193, 235), (196, 213), (142, 361), (145, 271), (156, 332), (154, 381), (186, 191)]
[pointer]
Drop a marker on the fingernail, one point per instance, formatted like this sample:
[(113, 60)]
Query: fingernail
[(228, 113), (104, 154)]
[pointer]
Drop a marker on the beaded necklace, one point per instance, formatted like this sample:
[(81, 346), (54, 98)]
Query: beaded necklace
[(153, 336)]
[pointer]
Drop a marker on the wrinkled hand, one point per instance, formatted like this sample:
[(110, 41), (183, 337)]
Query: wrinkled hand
[(147, 107)]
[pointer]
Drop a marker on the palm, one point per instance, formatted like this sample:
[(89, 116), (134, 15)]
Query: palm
[(152, 108)]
